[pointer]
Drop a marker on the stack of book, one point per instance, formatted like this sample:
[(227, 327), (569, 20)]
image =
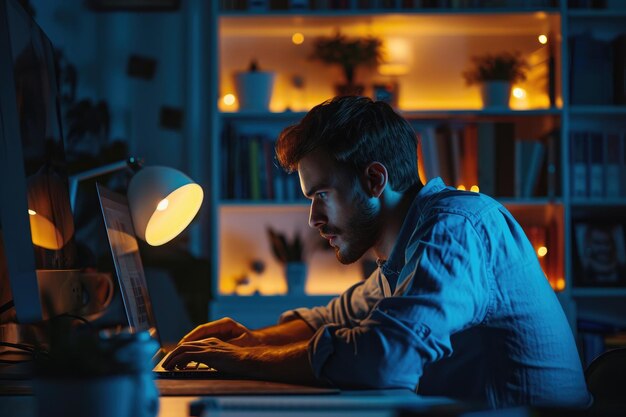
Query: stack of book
[(491, 156), (598, 164), (250, 172)]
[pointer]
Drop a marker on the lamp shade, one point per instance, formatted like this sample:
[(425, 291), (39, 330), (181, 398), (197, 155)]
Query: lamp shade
[(163, 201)]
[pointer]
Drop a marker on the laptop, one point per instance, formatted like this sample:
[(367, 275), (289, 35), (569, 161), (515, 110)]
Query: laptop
[(132, 281)]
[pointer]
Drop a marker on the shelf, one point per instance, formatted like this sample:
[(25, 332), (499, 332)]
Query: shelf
[(411, 114), (264, 115), (598, 202), (598, 292), (600, 110), (263, 203), (536, 201), (427, 95), (475, 113), (600, 14), (382, 11), (507, 201)]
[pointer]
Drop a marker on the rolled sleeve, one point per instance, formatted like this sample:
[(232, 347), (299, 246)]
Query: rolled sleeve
[(441, 290)]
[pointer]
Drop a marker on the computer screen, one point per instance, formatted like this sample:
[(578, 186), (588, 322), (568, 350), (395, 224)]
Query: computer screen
[(36, 224)]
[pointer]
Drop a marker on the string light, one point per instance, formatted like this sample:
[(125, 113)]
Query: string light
[(297, 38), (519, 92), (542, 251), (229, 99)]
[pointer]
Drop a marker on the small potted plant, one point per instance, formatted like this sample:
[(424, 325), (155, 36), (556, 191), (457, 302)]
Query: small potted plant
[(290, 253), (254, 88), (350, 54), (496, 73)]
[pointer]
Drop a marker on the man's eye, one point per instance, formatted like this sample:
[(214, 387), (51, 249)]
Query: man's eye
[(322, 195)]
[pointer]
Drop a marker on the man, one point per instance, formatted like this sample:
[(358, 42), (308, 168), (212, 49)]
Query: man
[(459, 305)]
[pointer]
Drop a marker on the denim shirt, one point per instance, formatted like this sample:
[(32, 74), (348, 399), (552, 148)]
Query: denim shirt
[(461, 309)]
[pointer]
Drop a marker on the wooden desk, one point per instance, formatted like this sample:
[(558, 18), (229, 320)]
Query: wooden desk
[(234, 398)]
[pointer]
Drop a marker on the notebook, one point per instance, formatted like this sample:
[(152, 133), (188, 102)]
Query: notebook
[(132, 281)]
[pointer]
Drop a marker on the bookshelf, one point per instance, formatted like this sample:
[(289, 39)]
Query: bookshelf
[(440, 36)]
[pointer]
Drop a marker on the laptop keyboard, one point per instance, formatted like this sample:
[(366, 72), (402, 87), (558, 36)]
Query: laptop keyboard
[(192, 366)]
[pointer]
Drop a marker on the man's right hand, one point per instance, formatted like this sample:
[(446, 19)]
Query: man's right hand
[(225, 329)]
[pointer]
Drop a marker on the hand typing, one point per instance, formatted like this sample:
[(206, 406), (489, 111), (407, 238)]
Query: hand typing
[(225, 329)]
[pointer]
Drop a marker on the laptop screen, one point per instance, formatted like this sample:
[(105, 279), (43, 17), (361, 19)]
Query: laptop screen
[(127, 261)]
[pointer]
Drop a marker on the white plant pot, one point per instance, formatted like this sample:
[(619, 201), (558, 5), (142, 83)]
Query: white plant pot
[(295, 274), (495, 94), (254, 90)]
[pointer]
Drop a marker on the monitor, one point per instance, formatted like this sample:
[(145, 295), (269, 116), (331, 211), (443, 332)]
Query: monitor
[(37, 246)]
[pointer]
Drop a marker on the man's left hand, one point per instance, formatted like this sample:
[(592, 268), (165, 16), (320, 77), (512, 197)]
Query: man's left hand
[(287, 363)]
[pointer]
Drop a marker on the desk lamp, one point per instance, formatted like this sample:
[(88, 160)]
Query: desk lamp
[(163, 201)]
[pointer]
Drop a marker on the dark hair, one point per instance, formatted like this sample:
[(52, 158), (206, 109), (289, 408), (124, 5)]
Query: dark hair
[(356, 131)]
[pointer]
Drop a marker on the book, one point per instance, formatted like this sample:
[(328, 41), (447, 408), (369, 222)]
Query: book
[(504, 159), (429, 153), (553, 163), (496, 158), (590, 68), (613, 168), (596, 164), (486, 158), (470, 155), (444, 154), (456, 150), (619, 70), (578, 159), (623, 165), (533, 152)]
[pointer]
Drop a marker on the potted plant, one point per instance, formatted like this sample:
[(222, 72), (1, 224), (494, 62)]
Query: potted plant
[(496, 73), (254, 88), (290, 253), (350, 54)]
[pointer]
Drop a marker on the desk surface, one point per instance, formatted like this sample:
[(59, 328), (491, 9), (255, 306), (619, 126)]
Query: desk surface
[(293, 401)]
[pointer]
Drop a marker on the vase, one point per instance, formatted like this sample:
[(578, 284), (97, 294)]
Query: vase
[(254, 90), (295, 275), (495, 94)]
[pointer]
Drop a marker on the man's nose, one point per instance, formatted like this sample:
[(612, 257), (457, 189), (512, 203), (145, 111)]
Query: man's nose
[(317, 218)]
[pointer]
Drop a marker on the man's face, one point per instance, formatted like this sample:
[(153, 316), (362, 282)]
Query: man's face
[(341, 210)]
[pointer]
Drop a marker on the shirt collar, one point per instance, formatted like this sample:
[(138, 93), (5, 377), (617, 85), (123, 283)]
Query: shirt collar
[(396, 261)]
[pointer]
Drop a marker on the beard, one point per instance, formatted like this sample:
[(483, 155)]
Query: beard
[(359, 234)]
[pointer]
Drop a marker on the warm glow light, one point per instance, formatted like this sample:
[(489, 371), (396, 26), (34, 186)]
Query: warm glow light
[(163, 204), (519, 92), (560, 284), (396, 56), (44, 233), (297, 38), (474, 188), (393, 69), (163, 226), (543, 39), (461, 187), (542, 251), (229, 99)]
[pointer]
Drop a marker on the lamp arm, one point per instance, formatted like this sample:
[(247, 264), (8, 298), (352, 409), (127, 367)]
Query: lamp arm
[(95, 172)]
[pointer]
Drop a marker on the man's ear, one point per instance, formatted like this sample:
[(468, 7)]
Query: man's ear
[(375, 178)]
